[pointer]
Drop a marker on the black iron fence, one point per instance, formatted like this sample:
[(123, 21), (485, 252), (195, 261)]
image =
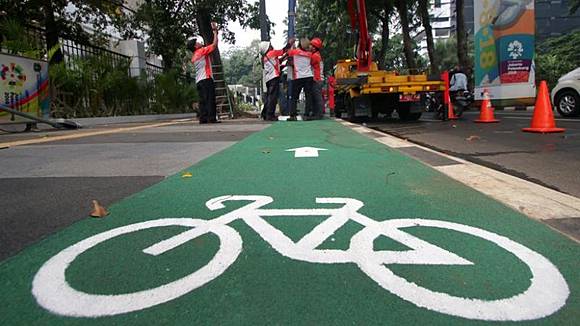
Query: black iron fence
[(96, 81)]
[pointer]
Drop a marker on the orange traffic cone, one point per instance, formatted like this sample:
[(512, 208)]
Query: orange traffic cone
[(543, 119), (486, 115), (98, 210), (450, 111)]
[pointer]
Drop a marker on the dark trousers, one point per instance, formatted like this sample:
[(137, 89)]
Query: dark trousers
[(207, 106), (297, 86), (317, 101), (273, 87)]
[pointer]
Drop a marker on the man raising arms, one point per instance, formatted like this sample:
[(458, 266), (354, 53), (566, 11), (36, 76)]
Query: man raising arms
[(201, 60)]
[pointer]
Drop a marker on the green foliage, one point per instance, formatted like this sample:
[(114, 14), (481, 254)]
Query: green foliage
[(172, 94), (242, 66), (557, 56), (395, 57), (93, 87), (574, 5), (328, 20), (17, 40), (67, 16)]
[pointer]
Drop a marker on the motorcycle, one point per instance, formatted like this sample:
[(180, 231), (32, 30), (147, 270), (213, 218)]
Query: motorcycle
[(461, 101)]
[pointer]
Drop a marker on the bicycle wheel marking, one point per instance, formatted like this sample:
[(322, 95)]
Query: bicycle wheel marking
[(547, 293), (536, 302), (53, 292)]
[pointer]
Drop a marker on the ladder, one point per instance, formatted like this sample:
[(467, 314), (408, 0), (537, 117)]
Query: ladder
[(224, 106)]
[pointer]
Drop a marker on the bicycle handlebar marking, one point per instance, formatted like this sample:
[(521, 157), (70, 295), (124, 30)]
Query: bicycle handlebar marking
[(53, 292)]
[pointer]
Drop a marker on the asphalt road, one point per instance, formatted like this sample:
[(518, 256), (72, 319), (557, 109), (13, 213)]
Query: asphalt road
[(49, 186), (552, 160)]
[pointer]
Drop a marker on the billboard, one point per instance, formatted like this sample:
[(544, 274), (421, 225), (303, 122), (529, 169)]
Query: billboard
[(23, 87), (504, 50)]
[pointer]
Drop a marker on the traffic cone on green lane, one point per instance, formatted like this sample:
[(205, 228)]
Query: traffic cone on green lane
[(486, 113), (543, 119)]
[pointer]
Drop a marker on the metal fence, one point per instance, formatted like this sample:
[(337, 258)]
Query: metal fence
[(96, 81), (77, 51)]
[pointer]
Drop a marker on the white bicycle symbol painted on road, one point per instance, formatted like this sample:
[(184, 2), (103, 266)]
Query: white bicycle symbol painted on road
[(546, 294)]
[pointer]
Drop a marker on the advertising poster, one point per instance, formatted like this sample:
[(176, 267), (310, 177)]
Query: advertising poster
[(23, 87), (504, 50)]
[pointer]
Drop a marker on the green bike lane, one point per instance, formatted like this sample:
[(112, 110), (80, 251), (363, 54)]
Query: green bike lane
[(262, 286)]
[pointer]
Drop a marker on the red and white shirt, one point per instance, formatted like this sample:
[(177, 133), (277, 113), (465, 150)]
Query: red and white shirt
[(302, 67), (317, 66), (202, 63), (272, 64)]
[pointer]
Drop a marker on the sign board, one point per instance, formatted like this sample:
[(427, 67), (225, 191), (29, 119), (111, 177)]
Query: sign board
[(504, 50), (23, 87)]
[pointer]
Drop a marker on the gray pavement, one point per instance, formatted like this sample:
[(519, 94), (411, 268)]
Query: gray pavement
[(552, 160), (48, 186)]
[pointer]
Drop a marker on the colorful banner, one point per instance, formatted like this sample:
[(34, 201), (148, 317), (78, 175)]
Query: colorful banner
[(504, 49), (23, 87)]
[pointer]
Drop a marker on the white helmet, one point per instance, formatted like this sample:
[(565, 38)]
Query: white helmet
[(264, 47), (190, 44)]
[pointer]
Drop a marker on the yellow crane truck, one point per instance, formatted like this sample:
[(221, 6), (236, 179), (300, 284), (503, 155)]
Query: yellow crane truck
[(363, 91)]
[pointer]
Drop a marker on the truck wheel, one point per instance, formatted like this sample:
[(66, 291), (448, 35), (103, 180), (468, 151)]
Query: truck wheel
[(405, 115)]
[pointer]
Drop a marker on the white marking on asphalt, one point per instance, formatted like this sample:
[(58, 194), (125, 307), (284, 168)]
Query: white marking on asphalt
[(546, 294), (305, 151)]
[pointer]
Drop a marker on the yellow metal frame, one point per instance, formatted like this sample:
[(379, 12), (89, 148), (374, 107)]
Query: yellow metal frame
[(382, 82)]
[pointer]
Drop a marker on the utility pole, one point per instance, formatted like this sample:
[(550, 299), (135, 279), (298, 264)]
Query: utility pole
[(264, 25), (291, 34)]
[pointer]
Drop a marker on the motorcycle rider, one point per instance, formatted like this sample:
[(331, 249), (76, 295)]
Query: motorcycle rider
[(458, 80)]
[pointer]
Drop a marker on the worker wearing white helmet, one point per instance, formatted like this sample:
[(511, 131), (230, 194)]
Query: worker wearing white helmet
[(271, 75), (201, 60)]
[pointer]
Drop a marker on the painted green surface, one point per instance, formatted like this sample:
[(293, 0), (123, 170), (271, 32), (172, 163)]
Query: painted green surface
[(263, 287)]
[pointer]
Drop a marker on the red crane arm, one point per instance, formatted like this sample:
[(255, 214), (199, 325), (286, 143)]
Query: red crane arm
[(358, 20)]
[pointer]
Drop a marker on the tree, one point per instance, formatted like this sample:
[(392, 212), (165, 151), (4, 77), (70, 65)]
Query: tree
[(574, 5), (423, 9), (240, 65), (556, 56), (403, 10), (462, 52), (63, 18), (383, 11), (330, 22)]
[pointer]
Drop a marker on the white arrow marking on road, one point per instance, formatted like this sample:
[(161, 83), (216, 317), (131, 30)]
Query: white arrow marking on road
[(306, 151)]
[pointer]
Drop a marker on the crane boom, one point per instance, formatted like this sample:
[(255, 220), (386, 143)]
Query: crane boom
[(358, 20)]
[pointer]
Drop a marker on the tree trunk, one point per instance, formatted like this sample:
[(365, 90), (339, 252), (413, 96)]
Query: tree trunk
[(264, 26), (385, 31), (407, 42), (51, 33), (462, 56), (424, 13)]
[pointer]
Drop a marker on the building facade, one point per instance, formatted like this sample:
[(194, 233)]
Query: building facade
[(552, 19)]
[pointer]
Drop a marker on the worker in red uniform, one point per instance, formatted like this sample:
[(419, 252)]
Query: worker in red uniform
[(331, 86), (201, 60), (317, 70), (301, 75), (271, 75)]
